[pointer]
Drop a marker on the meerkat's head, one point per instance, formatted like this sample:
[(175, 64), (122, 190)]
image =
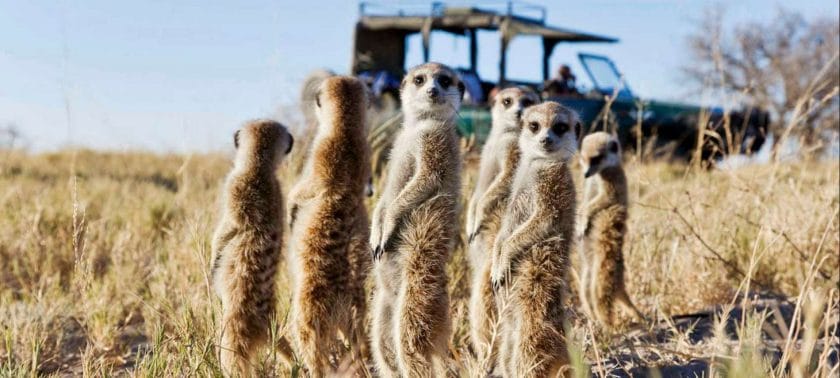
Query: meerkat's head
[(431, 90), (549, 130), (262, 141), (342, 101), (509, 104), (599, 151)]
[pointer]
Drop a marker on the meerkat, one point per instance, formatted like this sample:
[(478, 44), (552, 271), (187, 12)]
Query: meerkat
[(499, 158), (531, 250), (605, 223), (414, 228), (246, 243), (328, 250)]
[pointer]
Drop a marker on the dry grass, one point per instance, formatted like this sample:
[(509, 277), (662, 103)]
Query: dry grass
[(103, 269)]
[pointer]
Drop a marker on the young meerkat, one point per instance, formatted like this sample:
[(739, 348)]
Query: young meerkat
[(246, 243), (531, 250), (414, 228), (328, 250), (499, 158), (605, 223)]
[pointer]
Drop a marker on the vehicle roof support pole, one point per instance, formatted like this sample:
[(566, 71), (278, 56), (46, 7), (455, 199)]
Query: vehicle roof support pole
[(427, 36), (547, 49), (503, 62), (503, 30), (474, 50)]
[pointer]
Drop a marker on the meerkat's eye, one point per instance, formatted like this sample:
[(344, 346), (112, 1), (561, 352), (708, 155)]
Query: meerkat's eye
[(595, 160), (560, 127), (445, 81), (534, 127), (419, 80), (613, 147), (506, 102)]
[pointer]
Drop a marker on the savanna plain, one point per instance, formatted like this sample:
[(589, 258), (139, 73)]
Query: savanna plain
[(104, 269)]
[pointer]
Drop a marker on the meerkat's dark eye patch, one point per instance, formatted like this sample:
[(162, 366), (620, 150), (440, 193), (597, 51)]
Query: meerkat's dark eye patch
[(595, 160), (444, 81), (506, 102), (560, 127), (534, 127), (613, 147), (419, 80)]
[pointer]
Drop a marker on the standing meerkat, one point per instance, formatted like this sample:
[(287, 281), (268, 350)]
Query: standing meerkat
[(415, 226), (246, 243), (328, 250), (530, 253), (499, 158), (605, 223)]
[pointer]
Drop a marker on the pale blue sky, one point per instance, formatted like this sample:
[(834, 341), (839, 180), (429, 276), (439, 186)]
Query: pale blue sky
[(181, 75)]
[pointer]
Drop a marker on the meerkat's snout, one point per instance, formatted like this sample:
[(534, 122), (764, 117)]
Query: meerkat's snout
[(433, 93), (547, 142), (598, 152)]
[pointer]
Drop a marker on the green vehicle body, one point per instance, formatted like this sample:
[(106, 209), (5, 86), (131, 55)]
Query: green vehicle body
[(380, 45)]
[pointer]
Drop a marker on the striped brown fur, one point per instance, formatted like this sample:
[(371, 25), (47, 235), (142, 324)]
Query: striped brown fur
[(499, 158), (530, 253), (246, 244), (414, 229), (605, 224), (329, 227)]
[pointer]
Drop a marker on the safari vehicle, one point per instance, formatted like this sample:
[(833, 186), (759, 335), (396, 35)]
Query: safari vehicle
[(379, 55)]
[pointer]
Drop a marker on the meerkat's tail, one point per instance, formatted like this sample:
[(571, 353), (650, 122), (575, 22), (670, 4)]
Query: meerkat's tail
[(238, 344), (483, 318), (248, 305)]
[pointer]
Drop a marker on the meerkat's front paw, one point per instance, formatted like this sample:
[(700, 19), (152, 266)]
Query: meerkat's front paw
[(498, 275), (473, 234), (498, 278), (293, 210)]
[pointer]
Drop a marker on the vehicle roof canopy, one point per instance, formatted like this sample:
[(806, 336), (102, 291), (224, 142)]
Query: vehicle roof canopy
[(380, 39)]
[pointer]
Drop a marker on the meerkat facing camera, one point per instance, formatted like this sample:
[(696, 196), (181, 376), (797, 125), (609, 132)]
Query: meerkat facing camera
[(328, 250), (605, 223), (246, 243), (414, 228), (530, 253), (499, 158)]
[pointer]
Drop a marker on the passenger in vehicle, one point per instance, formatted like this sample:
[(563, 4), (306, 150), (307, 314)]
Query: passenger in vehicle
[(561, 86)]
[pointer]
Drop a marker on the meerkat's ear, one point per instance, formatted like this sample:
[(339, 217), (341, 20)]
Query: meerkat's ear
[(461, 88), (236, 139), (578, 130)]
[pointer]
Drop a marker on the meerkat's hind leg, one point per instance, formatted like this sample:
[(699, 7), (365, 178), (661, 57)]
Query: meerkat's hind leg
[(381, 336), (624, 299), (583, 285), (316, 340)]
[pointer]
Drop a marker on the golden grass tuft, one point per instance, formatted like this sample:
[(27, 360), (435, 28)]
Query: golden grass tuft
[(103, 268)]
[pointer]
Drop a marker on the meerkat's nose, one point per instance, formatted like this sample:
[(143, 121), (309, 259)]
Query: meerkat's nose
[(546, 141), (519, 114), (433, 92)]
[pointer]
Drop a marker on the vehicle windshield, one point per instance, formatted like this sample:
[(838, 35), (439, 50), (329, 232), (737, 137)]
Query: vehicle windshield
[(604, 75)]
